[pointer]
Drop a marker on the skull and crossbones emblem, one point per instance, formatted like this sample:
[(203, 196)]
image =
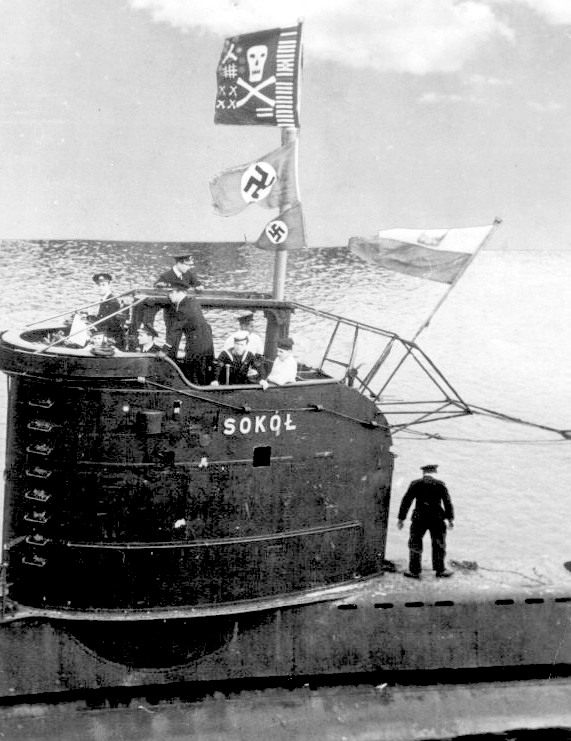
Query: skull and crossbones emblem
[(256, 56)]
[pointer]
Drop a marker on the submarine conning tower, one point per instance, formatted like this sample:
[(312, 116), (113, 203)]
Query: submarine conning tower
[(130, 489)]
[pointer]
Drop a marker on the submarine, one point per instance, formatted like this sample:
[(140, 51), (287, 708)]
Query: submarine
[(159, 533)]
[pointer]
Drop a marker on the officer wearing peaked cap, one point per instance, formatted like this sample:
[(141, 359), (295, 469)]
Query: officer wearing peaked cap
[(433, 507), (109, 318), (180, 274), (187, 320), (180, 271), (146, 339)]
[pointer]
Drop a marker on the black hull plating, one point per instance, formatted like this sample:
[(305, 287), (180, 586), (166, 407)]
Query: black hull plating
[(381, 626), (160, 533), (129, 489)]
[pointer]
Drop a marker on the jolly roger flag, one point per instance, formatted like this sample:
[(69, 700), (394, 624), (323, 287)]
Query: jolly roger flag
[(257, 79), (269, 182), (285, 232)]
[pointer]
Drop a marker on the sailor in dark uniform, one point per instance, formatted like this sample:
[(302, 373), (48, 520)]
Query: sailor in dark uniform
[(146, 339), (113, 327), (239, 364), (188, 321), (181, 271), (432, 508)]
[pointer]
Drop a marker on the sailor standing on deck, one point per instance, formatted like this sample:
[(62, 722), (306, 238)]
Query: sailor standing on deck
[(181, 273), (188, 321), (432, 508)]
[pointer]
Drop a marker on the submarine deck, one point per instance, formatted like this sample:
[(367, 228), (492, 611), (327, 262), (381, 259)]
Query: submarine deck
[(494, 583), (489, 652), (472, 581)]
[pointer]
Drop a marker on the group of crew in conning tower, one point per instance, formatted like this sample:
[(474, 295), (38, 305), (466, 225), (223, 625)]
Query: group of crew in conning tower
[(241, 359)]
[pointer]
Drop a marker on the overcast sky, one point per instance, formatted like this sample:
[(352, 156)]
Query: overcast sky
[(414, 113)]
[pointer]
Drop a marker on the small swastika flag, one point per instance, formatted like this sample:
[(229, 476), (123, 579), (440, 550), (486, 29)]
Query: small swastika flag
[(287, 231)]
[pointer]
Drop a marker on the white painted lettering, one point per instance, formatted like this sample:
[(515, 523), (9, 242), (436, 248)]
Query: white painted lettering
[(229, 426), (275, 423), (245, 425), (288, 423), (259, 424)]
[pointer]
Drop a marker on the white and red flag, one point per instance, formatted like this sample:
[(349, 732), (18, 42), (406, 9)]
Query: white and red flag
[(434, 254)]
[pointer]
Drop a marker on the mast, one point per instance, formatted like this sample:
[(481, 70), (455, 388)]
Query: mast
[(280, 260), (289, 135), (254, 67)]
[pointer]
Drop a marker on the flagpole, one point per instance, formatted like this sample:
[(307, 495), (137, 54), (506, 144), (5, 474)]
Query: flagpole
[(289, 135), (495, 225)]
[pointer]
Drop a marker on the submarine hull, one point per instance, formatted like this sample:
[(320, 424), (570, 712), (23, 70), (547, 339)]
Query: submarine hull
[(159, 534), (491, 619)]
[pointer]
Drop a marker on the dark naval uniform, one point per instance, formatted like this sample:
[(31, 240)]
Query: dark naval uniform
[(188, 320), (112, 327), (150, 310), (189, 279), (232, 368), (432, 508)]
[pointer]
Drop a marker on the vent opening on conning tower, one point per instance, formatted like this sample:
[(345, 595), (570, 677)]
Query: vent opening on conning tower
[(262, 456)]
